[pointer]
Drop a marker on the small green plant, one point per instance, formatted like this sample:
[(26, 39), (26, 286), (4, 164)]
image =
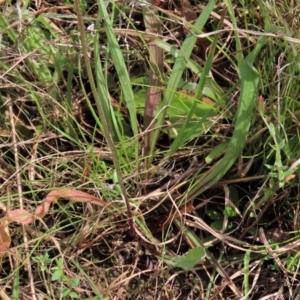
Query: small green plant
[(43, 260), (58, 275)]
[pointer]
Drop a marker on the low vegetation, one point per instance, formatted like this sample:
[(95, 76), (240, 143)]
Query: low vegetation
[(149, 149)]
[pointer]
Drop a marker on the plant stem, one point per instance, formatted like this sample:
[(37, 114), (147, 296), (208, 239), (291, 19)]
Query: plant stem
[(100, 110)]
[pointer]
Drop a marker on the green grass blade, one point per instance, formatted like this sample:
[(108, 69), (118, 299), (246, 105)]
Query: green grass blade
[(16, 285), (180, 139), (238, 45), (107, 132), (180, 65), (120, 66), (102, 86), (246, 274), (194, 67), (248, 96), (4, 25)]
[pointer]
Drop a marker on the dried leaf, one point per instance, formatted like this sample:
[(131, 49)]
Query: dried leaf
[(22, 216)]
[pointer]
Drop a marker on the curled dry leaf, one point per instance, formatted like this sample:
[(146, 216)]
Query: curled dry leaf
[(22, 216)]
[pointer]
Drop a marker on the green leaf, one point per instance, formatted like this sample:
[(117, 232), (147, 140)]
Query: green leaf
[(73, 295), (73, 282), (188, 261), (218, 225), (66, 292), (181, 64), (56, 275), (213, 214), (229, 211), (234, 195), (120, 65), (281, 144), (185, 113), (249, 90), (272, 129), (180, 106), (216, 151)]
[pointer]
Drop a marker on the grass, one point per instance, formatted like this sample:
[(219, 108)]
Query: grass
[(165, 140)]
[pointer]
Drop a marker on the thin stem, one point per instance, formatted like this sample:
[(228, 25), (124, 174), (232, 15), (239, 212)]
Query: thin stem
[(100, 110)]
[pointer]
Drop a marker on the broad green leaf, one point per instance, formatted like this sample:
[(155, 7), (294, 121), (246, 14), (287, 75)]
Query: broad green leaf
[(66, 292), (188, 261), (180, 106), (177, 113), (74, 281), (56, 275)]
